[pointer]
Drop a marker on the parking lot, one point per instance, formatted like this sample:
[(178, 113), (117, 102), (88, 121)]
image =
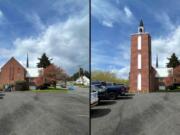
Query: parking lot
[(28, 113), (140, 114)]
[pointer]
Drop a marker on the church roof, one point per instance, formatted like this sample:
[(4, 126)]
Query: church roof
[(10, 61), (163, 72), (33, 72)]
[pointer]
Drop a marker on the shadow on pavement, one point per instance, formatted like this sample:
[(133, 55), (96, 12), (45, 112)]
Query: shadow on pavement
[(2, 95), (106, 102), (130, 94), (125, 97), (99, 112)]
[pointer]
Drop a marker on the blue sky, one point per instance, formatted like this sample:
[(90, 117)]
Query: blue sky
[(113, 21), (56, 27)]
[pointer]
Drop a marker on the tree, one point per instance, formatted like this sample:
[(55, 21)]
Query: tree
[(75, 76), (44, 61), (168, 81), (173, 61), (39, 81), (81, 72), (107, 76), (86, 73), (52, 74)]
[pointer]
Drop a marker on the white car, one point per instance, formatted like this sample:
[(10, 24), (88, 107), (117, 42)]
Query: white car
[(94, 98)]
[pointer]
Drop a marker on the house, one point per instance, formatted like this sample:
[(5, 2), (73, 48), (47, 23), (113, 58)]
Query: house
[(13, 71), (83, 80)]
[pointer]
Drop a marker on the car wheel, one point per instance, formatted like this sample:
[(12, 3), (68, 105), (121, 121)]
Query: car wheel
[(112, 95)]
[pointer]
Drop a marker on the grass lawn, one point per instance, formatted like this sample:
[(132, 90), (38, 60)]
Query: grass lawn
[(51, 89)]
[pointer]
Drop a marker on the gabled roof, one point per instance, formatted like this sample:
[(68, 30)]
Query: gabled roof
[(11, 60), (33, 72), (163, 72)]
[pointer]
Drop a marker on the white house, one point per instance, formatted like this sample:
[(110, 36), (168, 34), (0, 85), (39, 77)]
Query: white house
[(83, 80)]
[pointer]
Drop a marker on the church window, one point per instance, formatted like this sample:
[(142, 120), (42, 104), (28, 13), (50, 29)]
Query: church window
[(139, 42), (139, 61), (139, 81)]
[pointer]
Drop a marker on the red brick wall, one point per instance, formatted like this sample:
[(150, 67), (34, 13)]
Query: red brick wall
[(176, 74), (153, 80), (133, 64), (145, 60), (11, 72)]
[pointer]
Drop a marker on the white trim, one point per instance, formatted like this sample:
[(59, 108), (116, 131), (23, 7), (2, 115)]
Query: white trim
[(139, 82), (139, 61), (139, 42), (144, 33)]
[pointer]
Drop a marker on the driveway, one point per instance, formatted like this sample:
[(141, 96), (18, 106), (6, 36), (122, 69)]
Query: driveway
[(28, 113), (143, 114)]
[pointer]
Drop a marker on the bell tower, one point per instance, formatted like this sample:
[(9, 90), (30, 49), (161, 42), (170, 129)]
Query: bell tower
[(140, 65)]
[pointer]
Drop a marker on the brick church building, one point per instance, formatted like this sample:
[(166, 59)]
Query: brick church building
[(143, 77), (13, 71)]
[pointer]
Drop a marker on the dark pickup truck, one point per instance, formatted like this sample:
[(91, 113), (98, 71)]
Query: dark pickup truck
[(110, 92)]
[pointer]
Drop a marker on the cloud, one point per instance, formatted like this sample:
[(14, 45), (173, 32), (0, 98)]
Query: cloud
[(1, 14), (109, 14), (2, 17), (71, 7), (121, 73), (35, 19), (165, 21), (128, 12), (118, 62), (106, 23), (165, 46), (66, 42)]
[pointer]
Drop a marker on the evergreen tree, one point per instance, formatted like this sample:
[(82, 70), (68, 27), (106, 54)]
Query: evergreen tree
[(87, 74), (173, 61), (76, 75), (44, 61), (81, 71)]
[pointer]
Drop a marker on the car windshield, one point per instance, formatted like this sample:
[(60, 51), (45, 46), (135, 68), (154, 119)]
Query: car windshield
[(96, 88)]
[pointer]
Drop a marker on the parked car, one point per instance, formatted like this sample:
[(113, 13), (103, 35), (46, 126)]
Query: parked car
[(114, 91), (110, 92), (100, 89), (94, 98)]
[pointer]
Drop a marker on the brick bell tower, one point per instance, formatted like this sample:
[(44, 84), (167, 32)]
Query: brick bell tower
[(140, 65)]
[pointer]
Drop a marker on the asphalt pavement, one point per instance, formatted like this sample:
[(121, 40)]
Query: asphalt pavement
[(140, 114), (28, 113)]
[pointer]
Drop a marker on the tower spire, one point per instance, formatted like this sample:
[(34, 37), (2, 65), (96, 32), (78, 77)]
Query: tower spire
[(156, 61), (141, 24), (141, 27), (27, 62)]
